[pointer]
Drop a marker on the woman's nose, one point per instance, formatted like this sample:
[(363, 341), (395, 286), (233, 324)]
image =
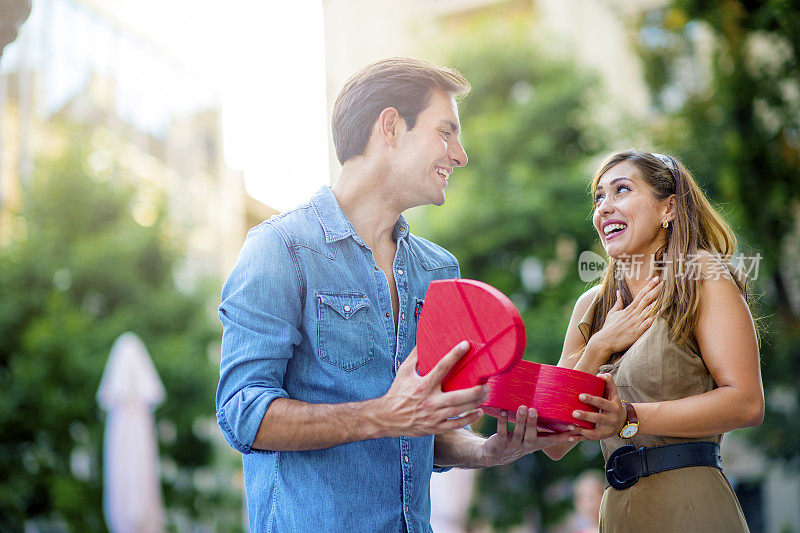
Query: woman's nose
[(605, 205)]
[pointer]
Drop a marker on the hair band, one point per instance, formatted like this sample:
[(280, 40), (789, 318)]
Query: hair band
[(670, 163)]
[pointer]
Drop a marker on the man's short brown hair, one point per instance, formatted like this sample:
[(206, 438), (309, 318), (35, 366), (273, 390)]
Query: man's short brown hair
[(398, 82)]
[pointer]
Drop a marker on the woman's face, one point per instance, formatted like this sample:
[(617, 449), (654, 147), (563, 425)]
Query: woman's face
[(627, 214)]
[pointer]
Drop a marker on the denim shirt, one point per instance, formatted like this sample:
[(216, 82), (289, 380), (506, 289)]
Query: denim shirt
[(307, 315)]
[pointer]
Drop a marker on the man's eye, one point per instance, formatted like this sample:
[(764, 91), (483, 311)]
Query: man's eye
[(445, 134)]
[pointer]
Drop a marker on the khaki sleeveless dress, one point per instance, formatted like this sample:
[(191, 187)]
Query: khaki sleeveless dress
[(697, 498)]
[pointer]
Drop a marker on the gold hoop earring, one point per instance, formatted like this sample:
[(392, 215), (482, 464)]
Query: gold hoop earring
[(665, 224)]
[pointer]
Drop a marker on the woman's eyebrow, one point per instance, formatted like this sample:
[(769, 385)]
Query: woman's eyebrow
[(612, 182)]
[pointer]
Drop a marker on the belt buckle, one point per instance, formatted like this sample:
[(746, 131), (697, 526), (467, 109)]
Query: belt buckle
[(611, 475)]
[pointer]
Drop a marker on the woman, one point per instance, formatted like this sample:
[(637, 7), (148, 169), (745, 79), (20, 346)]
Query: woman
[(682, 353)]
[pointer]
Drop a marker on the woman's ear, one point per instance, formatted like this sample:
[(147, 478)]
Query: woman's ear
[(669, 211)]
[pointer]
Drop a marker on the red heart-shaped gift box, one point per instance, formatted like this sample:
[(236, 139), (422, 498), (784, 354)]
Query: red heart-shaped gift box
[(465, 309)]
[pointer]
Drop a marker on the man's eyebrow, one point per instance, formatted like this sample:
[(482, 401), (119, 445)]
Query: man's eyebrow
[(450, 124)]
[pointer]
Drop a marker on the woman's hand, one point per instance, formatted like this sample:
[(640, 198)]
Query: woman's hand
[(624, 326), (611, 418)]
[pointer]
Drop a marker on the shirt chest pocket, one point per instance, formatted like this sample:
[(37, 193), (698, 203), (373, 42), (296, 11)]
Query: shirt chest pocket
[(344, 334)]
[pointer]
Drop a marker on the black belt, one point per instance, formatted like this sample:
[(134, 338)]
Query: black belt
[(627, 464)]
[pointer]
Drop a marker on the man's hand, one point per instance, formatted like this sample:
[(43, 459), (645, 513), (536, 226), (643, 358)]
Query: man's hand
[(504, 446), (416, 406), (611, 418)]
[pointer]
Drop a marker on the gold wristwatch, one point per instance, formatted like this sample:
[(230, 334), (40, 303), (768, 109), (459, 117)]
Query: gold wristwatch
[(631, 427)]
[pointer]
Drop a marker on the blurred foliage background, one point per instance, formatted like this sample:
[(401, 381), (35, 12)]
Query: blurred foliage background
[(83, 271)]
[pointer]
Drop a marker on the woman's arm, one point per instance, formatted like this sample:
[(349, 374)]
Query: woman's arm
[(622, 327), (727, 341), (573, 343)]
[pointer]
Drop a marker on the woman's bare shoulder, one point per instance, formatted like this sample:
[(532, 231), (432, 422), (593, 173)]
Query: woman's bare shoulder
[(711, 265), (585, 300)]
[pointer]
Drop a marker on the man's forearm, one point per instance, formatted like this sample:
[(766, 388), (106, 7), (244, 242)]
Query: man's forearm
[(292, 425), (459, 448), (414, 406)]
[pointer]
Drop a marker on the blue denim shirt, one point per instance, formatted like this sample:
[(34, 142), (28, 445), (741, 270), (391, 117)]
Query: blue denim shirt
[(307, 315)]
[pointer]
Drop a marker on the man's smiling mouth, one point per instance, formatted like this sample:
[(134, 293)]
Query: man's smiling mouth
[(443, 172)]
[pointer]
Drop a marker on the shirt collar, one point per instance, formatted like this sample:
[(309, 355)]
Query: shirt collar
[(335, 223), (401, 228)]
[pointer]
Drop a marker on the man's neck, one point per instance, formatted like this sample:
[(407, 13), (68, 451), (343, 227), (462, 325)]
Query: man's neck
[(369, 203)]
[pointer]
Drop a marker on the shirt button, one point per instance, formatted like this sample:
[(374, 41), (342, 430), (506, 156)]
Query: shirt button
[(376, 267), (405, 458), (400, 271), (402, 316), (406, 507), (346, 308), (386, 314)]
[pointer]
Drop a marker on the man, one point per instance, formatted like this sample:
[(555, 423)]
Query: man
[(318, 384)]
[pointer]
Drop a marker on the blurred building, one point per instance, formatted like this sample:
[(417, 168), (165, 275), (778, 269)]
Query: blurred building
[(144, 115)]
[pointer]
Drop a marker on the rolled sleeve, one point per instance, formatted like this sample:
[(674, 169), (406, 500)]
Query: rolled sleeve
[(260, 312)]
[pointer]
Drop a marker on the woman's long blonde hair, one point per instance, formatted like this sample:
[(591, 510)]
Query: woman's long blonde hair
[(696, 227)]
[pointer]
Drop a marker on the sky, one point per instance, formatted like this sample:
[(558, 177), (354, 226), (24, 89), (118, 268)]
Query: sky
[(267, 62)]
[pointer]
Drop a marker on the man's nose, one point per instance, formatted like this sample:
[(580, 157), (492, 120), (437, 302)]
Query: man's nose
[(458, 154)]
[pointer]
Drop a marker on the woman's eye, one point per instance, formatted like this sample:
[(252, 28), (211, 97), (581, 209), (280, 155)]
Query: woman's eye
[(622, 187), (597, 199)]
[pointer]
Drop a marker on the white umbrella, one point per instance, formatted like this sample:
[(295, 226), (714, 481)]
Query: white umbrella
[(129, 392)]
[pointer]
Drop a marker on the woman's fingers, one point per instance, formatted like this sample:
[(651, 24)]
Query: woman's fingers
[(588, 434), (647, 312), (645, 325), (578, 437), (596, 401), (594, 418), (610, 393), (651, 296), (646, 290), (618, 303)]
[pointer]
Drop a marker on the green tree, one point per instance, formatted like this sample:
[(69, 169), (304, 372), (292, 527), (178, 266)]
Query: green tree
[(79, 272), (516, 217), (726, 77)]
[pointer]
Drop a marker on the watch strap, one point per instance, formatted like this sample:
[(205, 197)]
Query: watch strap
[(631, 412)]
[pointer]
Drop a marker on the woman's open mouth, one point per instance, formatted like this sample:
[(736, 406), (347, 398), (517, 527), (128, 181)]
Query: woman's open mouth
[(613, 230)]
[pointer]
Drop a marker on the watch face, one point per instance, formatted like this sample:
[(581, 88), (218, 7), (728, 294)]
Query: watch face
[(629, 431)]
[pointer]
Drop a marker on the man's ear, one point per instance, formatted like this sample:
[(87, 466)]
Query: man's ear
[(388, 125)]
